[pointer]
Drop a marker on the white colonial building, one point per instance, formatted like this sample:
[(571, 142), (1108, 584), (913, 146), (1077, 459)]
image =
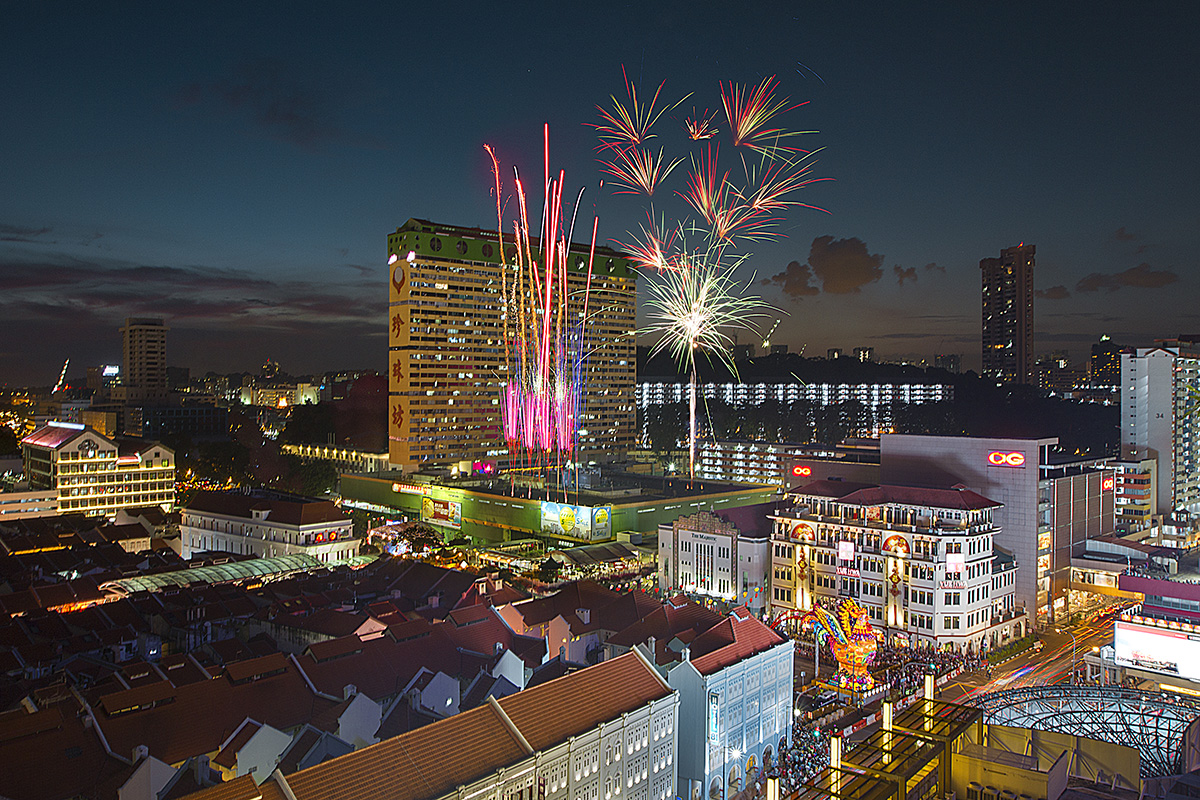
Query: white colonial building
[(705, 555), (735, 705), (922, 562), (607, 732), (266, 524)]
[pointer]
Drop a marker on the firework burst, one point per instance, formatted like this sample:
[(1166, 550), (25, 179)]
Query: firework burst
[(694, 301), (544, 317), (696, 307)]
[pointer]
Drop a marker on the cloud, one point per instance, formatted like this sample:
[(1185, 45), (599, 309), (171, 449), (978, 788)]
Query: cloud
[(276, 97), (905, 274), (22, 233), (931, 266), (1123, 235), (795, 280), (1139, 277), (361, 270), (67, 290), (843, 265), (1053, 293)]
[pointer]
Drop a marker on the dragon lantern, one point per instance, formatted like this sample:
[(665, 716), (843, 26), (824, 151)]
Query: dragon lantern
[(851, 638)]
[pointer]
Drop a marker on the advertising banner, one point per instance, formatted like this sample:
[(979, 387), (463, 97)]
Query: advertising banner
[(447, 513), (601, 523), (1157, 650), (577, 522)]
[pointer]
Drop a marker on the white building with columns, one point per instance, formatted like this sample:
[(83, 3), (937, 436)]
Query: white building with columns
[(705, 555), (735, 688), (922, 562)]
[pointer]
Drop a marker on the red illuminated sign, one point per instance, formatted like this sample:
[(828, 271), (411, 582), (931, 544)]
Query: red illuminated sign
[(999, 459), (802, 532), (1108, 484), (799, 470)]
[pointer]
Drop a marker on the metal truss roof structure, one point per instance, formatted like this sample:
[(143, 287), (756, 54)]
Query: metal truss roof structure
[(1152, 722)]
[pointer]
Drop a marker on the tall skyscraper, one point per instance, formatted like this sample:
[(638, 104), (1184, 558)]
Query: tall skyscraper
[(1008, 315), (1160, 390), (1104, 368), (447, 350), (144, 347)]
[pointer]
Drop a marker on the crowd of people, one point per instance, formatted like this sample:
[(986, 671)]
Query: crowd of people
[(904, 668), (807, 755), (901, 668)]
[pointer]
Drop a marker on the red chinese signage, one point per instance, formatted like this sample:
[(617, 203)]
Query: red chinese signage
[(998, 458), (800, 471), (1108, 484)]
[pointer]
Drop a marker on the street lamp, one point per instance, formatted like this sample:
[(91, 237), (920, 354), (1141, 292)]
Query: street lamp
[(1072, 635), (737, 759)]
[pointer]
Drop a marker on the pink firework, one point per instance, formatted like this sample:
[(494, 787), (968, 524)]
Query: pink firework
[(544, 316)]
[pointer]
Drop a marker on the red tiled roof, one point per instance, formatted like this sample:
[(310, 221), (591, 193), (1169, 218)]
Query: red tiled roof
[(327, 621), (241, 788), (57, 756), (381, 668), (575, 703), (432, 760), (227, 758), (827, 488), (865, 494), (566, 602), (289, 512), (739, 636), (427, 762), (202, 715), (679, 619)]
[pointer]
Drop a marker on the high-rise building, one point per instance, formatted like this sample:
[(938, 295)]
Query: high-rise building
[(1104, 368), (144, 347), (448, 354), (1052, 503), (865, 354), (1008, 315), (1160, 415), (951, 362)]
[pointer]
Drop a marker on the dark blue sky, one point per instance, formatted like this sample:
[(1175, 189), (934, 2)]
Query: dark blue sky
[(236, 168)]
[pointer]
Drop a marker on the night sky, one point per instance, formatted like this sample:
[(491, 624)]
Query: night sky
[(237, 168)]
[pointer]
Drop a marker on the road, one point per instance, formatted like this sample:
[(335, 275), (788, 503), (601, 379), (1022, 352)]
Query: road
[(1052, 665)]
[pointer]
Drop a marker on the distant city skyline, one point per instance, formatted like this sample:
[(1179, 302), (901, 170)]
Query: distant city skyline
[(174, 162)]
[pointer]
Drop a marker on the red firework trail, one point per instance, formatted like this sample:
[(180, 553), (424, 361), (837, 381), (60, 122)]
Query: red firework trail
[(629, 124), (749, 111)]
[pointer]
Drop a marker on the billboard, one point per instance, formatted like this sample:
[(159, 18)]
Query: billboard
[(1157, 649), (845, 551), (601, 523), (447, 513), (577, 522)]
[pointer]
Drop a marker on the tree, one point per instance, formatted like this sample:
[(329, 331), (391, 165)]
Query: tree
[(666, 426), (309, 424), (311, 478), (9, 445)]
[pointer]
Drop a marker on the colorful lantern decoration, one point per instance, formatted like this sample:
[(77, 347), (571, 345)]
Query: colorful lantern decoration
[(851, 638)]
